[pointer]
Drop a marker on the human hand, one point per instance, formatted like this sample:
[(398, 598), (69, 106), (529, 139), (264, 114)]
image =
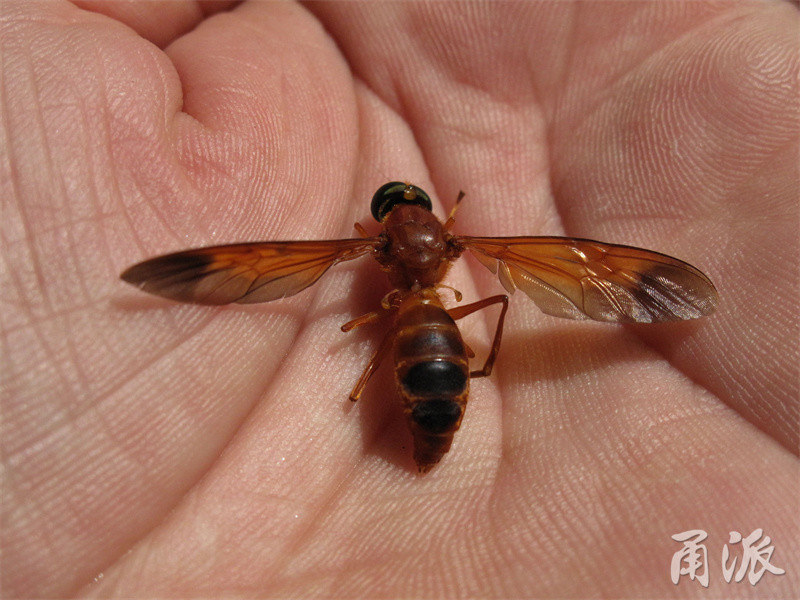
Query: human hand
[(194, 451)]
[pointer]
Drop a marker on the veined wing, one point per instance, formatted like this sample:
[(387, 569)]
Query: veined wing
[(243, 273), (577, 278)]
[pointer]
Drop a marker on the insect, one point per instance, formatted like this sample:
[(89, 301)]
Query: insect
[(566, 277)]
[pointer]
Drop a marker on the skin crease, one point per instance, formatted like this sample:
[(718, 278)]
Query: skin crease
[(157, 449)]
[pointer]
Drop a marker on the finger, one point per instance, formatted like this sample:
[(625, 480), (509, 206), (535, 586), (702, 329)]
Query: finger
[(157, 21), (271, 97)]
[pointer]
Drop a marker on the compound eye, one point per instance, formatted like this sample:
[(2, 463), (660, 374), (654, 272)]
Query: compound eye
[(393, 193)]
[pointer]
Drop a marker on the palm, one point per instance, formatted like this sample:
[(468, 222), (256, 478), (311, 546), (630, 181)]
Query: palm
[(218, 445)]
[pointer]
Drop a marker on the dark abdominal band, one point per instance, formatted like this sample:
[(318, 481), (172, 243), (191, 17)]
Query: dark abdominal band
[(432, 371), (435, 378), (436, 416), (436, 383)]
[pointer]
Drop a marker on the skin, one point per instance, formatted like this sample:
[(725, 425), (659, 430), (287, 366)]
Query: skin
[(157, 449)]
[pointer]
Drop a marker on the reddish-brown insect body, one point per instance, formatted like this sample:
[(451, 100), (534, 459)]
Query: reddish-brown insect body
[(416, 252), (566, 277), (431, 373)]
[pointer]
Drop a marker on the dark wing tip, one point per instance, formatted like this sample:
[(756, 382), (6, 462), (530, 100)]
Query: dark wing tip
[(166, 267), (176, 277)]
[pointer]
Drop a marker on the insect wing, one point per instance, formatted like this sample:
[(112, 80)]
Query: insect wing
[(243, 273), (578, 279)]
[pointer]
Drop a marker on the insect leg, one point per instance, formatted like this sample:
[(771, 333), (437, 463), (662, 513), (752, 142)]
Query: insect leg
[(375, 315), (462, 311), (456, 293), (360, 229), (372, 366), (470, 351), (370, 317)]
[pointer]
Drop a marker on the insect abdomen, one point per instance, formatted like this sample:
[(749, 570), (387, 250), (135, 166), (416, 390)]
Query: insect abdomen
[(432, 374)]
